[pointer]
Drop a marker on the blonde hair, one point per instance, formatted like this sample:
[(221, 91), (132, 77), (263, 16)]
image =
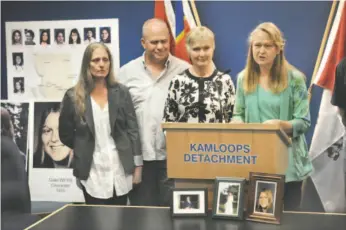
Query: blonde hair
[(197, 34), (86, 82), (278, 74), (269, 195)]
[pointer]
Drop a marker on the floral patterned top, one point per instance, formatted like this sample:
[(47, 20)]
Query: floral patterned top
[(200, 100)]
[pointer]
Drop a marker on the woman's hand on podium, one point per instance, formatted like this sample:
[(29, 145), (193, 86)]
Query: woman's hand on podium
[(286, 126), (273, 122), (233, 121)]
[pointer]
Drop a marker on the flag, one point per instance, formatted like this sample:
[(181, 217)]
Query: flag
[(335, 49), (180, 20), (326, 150)]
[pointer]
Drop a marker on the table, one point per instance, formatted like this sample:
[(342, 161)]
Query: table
[(98, 217)]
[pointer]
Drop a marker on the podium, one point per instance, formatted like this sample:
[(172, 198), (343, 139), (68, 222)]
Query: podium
[(197, 153)]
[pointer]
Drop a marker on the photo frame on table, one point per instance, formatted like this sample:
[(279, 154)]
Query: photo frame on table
[(189, 202), (265, 198), (228, 198)]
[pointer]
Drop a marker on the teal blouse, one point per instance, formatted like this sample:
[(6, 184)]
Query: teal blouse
[(290, 105)]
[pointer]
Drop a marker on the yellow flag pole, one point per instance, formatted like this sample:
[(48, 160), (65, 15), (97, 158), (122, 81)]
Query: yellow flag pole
[(195, 13), (317, 65), (322, 47)]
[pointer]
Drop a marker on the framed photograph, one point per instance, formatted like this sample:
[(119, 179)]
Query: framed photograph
[(265, 198), (189, 202), (228, 198)]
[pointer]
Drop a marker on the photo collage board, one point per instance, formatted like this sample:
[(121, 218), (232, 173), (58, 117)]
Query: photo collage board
[(44, 60)]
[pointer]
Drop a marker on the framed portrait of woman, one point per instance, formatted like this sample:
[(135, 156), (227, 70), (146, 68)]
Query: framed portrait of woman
[(265, 201), (228, 198)]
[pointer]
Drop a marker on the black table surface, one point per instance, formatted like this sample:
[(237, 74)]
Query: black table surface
[(95, 217)]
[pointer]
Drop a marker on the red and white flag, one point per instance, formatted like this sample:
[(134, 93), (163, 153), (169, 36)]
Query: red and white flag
[(327, 150), (179, 20)]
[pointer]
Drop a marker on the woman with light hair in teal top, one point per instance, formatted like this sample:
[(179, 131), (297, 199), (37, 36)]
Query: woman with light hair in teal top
[(271, 91)]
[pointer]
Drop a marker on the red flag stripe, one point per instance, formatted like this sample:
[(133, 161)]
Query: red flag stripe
[(178, 47), (160, 12), (326, 75)]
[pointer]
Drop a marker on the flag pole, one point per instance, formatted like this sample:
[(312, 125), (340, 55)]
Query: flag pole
[(317, 65), (323, 45), (195, 13)]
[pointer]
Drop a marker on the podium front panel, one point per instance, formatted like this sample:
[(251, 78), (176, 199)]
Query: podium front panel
[(206, 154)]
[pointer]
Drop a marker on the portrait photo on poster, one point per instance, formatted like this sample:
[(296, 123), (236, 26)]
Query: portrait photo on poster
[(18, 85), (74, 37), (17, 125), (49, 151), (105, 34), (29, 37), (89, 35), (228, 198), (44, 37), (18, 62), (59, 36), (265, 197), (17, 38), (189, 202)]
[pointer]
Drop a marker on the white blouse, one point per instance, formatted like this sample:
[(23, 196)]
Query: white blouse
[(106, 170)]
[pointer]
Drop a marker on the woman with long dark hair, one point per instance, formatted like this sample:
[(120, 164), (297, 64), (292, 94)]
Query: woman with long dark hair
[(99, 123)]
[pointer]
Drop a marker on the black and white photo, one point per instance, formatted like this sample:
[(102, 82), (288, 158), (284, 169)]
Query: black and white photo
[(17, 38), (18, 85), (44, 37), (105, 34), (74, 37), (89, 35), (49, 151), (29, 37), (18, 62), (59, 36)]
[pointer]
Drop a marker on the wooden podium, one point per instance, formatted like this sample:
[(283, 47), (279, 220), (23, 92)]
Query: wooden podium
[(198, 153)]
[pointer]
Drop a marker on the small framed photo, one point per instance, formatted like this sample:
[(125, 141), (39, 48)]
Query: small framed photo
[(189, 202), (265, 198), (228, 198)]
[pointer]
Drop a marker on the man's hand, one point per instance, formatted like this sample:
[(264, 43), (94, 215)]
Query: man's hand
[(137, 175)]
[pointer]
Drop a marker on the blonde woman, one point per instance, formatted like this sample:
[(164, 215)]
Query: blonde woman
[(271, 91), (99, 123), (265, 202), (200, 94)]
